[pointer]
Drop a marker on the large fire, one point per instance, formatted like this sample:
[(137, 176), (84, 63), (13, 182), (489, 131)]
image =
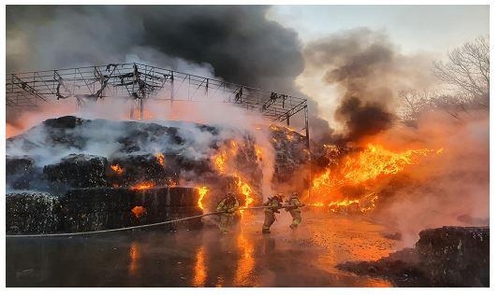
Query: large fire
[(224, 164), (360, 170)]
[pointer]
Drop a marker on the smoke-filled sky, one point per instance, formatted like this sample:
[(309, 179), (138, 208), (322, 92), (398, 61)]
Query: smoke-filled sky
[(297, 49)]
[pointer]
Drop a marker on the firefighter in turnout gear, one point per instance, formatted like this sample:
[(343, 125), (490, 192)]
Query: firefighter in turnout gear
[(227, 208), (269, 218), (293, 206)]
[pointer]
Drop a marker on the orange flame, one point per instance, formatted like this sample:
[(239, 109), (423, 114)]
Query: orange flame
[(117, 168), (360, 169), (219, 161), (161, 158), (376, 160), (222, 163), (259, 153), (202, 191), (246, 190), (143, 185), (138, 211)]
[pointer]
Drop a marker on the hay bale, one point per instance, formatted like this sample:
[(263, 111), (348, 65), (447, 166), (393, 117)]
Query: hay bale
[(32, 213), (456, 256), (78, 171)]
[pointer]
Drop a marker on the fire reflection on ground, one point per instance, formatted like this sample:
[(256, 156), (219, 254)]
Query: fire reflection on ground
[(245, 263), (134, 258), (200, 268), (244, 257)]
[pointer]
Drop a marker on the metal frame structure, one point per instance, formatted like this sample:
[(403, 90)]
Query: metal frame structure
[(141, 81)]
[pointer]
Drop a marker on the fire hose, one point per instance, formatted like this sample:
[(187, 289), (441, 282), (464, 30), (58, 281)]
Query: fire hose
[(132, 227)]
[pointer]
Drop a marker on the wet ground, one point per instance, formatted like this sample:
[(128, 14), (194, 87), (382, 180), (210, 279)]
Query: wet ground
[(245, 257)]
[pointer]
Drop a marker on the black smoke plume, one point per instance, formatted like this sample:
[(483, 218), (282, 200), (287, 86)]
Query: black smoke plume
[(369, 71), (237, 42)]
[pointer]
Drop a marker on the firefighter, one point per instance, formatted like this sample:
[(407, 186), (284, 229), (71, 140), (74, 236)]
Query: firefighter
[(293, 206), (227, 208), (269, 218)]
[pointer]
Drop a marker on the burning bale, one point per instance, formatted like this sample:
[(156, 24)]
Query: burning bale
[(101, 170), (442, 257), (132, 170), (292, 155)]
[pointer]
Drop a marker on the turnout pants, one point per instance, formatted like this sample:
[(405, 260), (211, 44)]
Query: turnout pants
[(268, 220), (296, 218), (225, 222)]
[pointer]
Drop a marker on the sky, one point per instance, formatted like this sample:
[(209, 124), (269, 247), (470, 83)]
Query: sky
[(425, 32), (436, 28)]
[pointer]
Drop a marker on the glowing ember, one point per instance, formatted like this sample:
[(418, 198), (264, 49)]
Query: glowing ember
[(117, 168), (161, 158), (202, 191), (138, 211), (143, 185)]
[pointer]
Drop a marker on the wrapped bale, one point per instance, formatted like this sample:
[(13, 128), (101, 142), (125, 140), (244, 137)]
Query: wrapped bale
[(78, 171), (92, 209), (456, 256), (168, 203), (32, 213), (106, 208), (161, 169), (19, 172)]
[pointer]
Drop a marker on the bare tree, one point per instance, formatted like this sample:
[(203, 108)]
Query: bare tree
[(413, 102), (468, 68)]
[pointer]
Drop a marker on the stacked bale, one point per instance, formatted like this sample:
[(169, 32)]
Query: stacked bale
[(32, 213), (456, 256)]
